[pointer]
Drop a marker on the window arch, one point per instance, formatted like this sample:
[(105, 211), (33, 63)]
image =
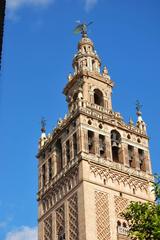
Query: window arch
[(98, 97)]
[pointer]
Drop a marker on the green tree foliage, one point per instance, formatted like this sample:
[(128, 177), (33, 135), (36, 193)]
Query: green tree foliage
[(144, 218)]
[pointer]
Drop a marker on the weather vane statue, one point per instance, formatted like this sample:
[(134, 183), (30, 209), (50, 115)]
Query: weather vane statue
[(138, 108), (43, 125), (82, 28)]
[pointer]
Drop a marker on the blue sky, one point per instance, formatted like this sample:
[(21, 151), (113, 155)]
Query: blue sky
[(39, 45)]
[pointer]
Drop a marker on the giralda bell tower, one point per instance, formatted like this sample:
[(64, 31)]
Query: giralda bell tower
[(93, 163)]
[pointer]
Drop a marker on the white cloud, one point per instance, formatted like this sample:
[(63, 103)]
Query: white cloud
[(16, 4), (89, 4), (23, 233)]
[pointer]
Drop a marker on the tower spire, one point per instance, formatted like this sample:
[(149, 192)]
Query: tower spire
[(86, 58)]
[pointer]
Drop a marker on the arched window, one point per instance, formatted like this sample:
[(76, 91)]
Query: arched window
[(75, 96), (98, 97), (124, 225), (115, 143), (59, 159)]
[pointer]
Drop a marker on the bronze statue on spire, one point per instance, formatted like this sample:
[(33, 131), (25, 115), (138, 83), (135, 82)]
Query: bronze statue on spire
[(82, 28), (43, 125), (138, 108)]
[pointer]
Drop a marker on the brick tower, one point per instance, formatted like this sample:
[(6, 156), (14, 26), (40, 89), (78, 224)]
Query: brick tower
[(93, 163)]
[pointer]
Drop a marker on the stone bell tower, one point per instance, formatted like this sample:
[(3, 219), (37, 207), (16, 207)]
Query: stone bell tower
[(93, 163)]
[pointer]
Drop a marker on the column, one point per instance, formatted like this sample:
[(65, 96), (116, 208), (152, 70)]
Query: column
[(124, 154), (108, 149), (96, 143), (137, 165)]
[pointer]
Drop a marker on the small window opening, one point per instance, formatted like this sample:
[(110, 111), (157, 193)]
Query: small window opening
[(118, 223), (91, 141), (115, 143), (104, 181), (102, 145), (98, 97), (129, 136), (67, 151), (134, 191), (131, 156), (59, 159), (43, 174), (85, 49), (89, 122), (138, 140), (75, 96), (50, 168), (120, 194), (75, 148), (141, 159), (124, 225), (69, 186)]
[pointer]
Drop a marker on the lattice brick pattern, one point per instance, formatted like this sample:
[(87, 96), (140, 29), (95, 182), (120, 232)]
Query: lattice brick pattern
[(102, 216), (48, 228), (60, 219), (120, 204), (73, 217)]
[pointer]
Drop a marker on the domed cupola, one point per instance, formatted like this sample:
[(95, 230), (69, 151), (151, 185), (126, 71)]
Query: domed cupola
[(86, 57)]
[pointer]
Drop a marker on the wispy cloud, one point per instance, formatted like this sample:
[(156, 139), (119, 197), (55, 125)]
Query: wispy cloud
[(13, 5), (23, 233), (6, 222), (89, 4)]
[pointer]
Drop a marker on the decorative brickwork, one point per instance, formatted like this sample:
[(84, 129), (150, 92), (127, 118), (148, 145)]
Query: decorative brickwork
[(48, 228), (60, 223), (73, 217), (102, 216), (120, 205)]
